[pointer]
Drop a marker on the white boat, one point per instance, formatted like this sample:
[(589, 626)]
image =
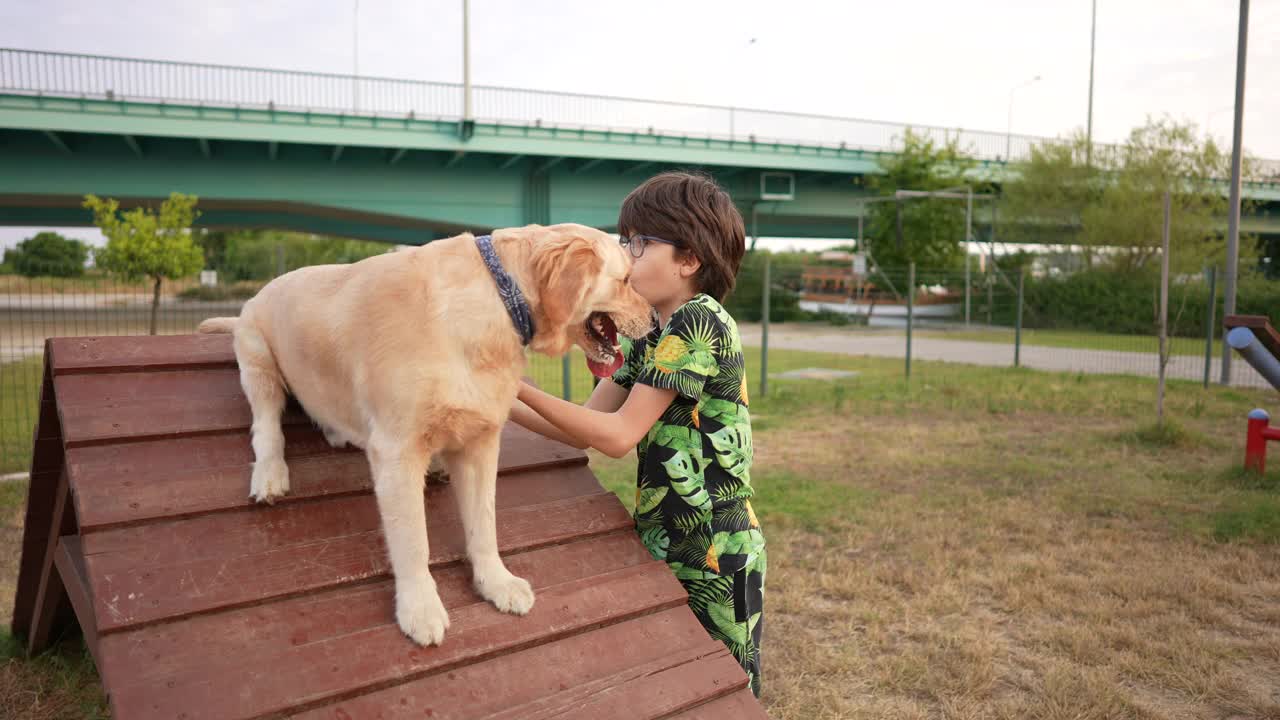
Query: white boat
[(881, 309)]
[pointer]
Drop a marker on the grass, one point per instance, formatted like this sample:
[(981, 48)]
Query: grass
[(994, 543), (977, 543), (1079, 340), (20, 388), (60, 683)]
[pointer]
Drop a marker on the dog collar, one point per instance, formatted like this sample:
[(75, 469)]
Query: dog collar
[(512, 298)]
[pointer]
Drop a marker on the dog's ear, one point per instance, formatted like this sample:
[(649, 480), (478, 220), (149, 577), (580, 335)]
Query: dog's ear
[(564, 266)]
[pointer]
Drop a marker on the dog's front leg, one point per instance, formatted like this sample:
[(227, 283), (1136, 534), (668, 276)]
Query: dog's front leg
[(474, 472), (399, 468)]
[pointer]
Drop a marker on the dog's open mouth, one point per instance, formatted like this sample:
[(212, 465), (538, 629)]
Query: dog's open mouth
[(604, 355)]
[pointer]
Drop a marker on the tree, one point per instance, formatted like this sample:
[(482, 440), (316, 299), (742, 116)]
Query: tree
[(48, 254), (1116, 202), (142, 243), (1048, 198), (932, 228)]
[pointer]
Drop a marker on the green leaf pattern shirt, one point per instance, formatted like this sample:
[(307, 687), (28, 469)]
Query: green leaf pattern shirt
[(693, 486)]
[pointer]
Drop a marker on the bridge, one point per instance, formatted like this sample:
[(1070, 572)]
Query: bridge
[(394, 160)]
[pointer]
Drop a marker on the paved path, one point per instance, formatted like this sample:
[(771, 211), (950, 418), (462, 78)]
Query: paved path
[(846, 341)]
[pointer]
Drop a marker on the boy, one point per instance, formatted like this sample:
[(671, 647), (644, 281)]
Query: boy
[(679, 398)]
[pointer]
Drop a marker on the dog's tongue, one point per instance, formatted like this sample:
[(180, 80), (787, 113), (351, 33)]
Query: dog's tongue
[(606, 370)]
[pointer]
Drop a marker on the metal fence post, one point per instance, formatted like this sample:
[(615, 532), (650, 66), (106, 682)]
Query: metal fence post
[(1017, 328), (1164, 312), (991, 292), (764, 329), (911, 304), (968, 238), (565, 379), (1210, 315)]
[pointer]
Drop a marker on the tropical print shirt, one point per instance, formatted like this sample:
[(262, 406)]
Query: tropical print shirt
[(693, 480)]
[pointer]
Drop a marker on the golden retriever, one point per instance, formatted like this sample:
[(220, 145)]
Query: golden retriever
[(410, 355)]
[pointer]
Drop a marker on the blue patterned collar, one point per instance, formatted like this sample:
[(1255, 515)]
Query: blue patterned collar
[(512, 298)]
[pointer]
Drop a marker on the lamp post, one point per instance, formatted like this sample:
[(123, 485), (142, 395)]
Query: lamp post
[(1233, 218)]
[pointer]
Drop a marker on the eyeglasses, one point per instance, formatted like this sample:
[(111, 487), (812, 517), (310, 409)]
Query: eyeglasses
[(636, 243)]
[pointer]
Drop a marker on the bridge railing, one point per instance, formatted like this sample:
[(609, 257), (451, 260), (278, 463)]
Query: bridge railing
[(94, 76)]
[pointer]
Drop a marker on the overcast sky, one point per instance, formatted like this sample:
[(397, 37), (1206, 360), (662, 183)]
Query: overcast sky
[(926, 62)]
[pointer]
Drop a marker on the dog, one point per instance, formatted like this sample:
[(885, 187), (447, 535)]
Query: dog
[(414, 355)]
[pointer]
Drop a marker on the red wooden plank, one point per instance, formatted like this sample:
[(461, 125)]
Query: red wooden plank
[(107, 354), (655, 695), (741, 705), (86, 418), (137, 405), (129, 482), (51, 610), (69, 560), (261, 528), (46, 468), (312, 673), (169, 570), (179, 385), (540, 679), (153, 653)]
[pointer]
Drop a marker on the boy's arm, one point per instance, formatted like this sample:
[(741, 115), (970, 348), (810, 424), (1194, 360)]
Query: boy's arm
[(607, 397), (525, 417), (613, 433)]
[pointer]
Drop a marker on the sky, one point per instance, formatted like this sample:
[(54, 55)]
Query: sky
[(924, 62)]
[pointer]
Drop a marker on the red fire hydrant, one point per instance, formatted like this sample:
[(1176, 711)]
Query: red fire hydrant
[(1255, 444)]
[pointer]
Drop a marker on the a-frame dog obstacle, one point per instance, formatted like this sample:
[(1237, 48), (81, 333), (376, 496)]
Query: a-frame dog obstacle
[(195, 603)]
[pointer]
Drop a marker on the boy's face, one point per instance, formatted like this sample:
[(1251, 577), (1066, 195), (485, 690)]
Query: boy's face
[(660, 274)]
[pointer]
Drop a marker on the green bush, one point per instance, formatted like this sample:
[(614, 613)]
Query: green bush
[(48, 254), (1127, 303), (253, 255), (237, 291)]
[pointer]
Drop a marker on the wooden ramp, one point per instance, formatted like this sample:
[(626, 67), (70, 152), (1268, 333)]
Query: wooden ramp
[(196, 603)]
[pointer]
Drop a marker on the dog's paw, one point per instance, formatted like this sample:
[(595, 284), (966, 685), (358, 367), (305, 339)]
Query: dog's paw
[(270, 481), (508, 593), (422, 616)]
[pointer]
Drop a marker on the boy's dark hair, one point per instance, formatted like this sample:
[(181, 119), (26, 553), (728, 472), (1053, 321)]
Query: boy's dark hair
[(691, 209)]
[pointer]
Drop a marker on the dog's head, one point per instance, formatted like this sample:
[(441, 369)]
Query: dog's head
[(584, 296)]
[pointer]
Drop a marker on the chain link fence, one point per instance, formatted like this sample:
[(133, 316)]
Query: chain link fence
[(986, 316)]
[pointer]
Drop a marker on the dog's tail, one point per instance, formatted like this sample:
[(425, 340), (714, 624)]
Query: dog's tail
[(219, 325)]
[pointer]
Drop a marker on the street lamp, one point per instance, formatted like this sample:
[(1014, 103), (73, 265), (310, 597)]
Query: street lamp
[(1008, 136), (747, 79), (355, 55), (1093, 36), (1233, 216)]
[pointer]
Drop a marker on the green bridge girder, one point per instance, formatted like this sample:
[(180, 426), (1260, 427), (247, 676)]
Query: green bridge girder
[(407, 180)]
